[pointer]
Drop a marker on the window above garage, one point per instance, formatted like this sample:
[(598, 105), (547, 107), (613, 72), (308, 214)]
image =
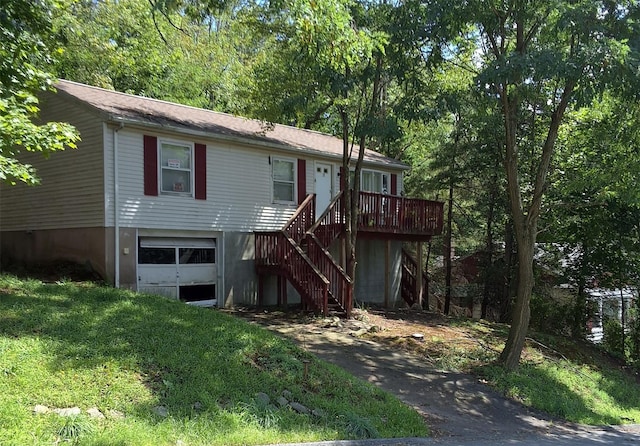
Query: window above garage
[(176, 168)]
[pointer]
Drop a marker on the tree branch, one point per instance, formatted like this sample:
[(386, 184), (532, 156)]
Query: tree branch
[(547, 150), (154, 7)]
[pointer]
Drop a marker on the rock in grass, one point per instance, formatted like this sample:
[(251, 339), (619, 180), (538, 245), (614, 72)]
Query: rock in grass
[(282, 401), (288, 395), (115, 414), (94, 412), (299, 408), (41, 410), (263, 398), (161, 411), (318, 413), (68, 411)]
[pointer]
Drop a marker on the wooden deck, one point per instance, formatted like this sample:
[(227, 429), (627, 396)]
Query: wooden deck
[(391, 217), (299, 251)]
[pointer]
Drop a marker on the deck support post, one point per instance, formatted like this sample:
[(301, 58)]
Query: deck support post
[(282, 292), (260, 290), (419, 284), (387, 273)]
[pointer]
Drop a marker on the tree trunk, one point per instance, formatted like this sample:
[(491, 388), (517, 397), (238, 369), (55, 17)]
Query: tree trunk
[(350, 205), (623, 317), (507, 273), (425, 301), (447, 254), (510, 356), (525, 215), (488, 257)]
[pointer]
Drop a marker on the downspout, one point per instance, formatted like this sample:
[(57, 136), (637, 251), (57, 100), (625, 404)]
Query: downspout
[(116, 204)]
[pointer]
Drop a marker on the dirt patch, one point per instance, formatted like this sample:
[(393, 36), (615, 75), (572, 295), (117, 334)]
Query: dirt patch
[(441, 341)]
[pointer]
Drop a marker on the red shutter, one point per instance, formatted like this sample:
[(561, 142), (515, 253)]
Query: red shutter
[(201, 171), (150, 165), (302, 180), (394, 184)]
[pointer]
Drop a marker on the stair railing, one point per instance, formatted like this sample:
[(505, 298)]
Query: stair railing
[(305, 276), (340, 284), (302, 219), (278, 250), (410, 277), (331, 223), (269, 252)]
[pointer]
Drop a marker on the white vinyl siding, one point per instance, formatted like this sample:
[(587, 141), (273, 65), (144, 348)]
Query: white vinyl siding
[(77, 187), (239, 197), (72, 182)]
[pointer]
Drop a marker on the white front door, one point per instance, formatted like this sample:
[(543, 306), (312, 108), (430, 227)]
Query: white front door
[(323, 180)]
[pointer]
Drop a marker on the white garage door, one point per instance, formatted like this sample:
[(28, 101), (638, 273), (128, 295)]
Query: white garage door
[(181, 268)]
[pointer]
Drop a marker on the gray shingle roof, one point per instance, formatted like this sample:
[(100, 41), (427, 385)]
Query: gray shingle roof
[(121, 107)]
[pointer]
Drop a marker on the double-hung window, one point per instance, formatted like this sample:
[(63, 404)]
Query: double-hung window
[(374, 181), (284, 174), (176, 168)]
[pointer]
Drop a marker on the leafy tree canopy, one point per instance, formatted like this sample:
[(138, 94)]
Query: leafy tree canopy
[(26, 51)]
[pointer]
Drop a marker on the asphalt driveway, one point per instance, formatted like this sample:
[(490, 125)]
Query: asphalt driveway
[(459, 409)]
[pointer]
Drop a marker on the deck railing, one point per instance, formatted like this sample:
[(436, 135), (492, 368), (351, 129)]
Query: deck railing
[(399, 215), (381, 213)]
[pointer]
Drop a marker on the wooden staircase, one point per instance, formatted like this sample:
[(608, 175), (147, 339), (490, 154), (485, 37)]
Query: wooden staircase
[(408, 284), (299, 252), (299, 255)]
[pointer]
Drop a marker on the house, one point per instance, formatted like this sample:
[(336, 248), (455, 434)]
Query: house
[(207, 207), (606, 304)]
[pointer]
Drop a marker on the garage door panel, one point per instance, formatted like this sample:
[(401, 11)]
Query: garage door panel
[(195, 274), (157, 275), (166, 291)]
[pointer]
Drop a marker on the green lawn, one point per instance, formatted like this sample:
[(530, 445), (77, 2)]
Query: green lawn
[(79, 344), (571, 381)]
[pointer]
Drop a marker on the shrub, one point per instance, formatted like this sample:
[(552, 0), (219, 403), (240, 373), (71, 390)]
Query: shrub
[(550, 315), (613, 336)]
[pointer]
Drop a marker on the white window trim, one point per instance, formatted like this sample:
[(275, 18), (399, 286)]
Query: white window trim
[(295, 180), (191, 170)]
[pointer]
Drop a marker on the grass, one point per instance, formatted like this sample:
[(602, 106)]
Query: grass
[(569, 379), (572, 381), (79, 344)]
